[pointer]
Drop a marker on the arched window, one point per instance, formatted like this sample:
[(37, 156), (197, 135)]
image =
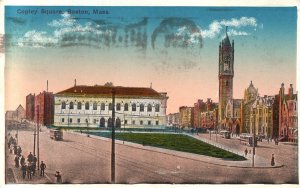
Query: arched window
[(87, 105), (149, 108), (126, 107), (71, 105), (110, 106), (118, 106), (133, 107), (79, 105), (157, 108), (141, 107), (102, 106), (63, 105), (94, 106)]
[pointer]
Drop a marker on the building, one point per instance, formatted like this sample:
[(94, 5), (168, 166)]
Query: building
[(209, 119), (84, 106), (199, 107), (16, 115), (226, 73), (233, 116), (261, 118), (44, 108), (173, 119), (288, 115), (186, 116), (30, 107)]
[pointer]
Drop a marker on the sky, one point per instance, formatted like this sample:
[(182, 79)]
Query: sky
[(174, 48)]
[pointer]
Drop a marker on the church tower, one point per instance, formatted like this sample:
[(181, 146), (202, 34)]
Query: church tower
[(226, 73)]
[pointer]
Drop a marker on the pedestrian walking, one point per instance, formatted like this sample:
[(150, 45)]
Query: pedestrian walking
[(30, 157), (33, 167), (42, 167), (246, 152), (22, 160), (58, 177), (19, 150), (28, 169), (272, 160), (24, 169), (15, 149), (17, 161)]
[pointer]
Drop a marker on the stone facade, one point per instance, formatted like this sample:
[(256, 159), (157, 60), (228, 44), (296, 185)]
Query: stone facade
[(30, 107), (226, 73), (44, 108), (83, 106), (186, 116), (173, 119), (288, 115)]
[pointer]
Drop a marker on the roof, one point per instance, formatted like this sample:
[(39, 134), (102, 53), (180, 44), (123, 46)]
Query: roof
[(107, 91)]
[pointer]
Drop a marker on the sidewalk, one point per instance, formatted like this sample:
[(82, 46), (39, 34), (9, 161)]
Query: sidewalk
[(260, 162), (14, 175)]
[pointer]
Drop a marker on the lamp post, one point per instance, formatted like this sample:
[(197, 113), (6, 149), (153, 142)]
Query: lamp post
[(253, 139), (113, 138), (38, 138)]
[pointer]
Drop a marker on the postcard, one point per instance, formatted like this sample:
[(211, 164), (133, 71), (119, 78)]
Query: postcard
[(150, 94)]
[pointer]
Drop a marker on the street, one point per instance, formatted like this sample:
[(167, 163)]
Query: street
[(82, 159)]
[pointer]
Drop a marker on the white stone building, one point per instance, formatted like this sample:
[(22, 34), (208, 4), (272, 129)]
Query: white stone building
[(83, 106)]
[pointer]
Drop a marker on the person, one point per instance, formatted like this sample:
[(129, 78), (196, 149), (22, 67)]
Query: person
[(28, 171), (246, 152), (22, 160), (272, 160), (58, 177), (249, 151), (30, 157), (15, 149), (43, 167), (19, 151), (17, 161), (24, 169), (33, 166)]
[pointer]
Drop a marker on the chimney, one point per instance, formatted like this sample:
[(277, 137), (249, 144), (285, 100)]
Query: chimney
[(75, 83), (47, 86), (291, 91)]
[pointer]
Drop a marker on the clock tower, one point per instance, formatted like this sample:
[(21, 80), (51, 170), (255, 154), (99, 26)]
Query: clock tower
[(226, 73)]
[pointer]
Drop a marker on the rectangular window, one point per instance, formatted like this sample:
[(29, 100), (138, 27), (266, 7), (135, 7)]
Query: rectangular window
[(71, 120), (125, 122), (149, 122), (141, 122), (156, 123), (63, 120), (78, 120)]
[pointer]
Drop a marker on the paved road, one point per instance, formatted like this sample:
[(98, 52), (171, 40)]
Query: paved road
[(82, 159)]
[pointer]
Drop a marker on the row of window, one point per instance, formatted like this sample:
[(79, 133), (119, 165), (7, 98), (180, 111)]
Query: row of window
[(118, 106), (109, 121)]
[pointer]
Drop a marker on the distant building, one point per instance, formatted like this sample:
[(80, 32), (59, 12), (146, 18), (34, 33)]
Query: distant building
[(44, 108), (173, 119), (186, 116), (92, 106), (233, 116), (30, 107), (16, 115), (261, 117), (288, 115), (199, 107)]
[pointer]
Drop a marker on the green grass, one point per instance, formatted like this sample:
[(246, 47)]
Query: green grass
[(176, 142)]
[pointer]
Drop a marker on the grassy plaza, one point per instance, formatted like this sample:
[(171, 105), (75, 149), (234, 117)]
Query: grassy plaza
[(178, 142)]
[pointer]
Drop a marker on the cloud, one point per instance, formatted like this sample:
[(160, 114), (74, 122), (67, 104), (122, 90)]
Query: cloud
[(215, 27), (37, 39), (67, 20)]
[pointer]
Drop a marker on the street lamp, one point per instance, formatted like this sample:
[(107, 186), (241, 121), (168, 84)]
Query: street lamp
[(253, 128)]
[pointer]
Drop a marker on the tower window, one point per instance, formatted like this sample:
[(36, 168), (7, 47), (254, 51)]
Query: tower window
[(226, 83)]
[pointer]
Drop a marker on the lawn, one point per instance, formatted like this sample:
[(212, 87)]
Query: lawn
[(176, 142)]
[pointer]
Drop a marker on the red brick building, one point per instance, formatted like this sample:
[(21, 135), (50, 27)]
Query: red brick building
[(199, 107), (30, 107), (44, 108)]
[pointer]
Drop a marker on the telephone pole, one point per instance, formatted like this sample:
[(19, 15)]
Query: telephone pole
[(113, 138), (38, 138)]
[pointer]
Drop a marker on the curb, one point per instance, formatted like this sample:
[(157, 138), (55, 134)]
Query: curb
[(154, 149)]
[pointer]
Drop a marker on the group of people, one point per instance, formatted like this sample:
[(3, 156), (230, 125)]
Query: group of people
[(272, 158)]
